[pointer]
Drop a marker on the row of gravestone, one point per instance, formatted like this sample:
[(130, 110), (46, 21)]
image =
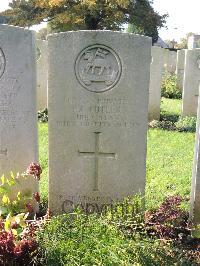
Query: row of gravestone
[(98, 83), (187, 69)]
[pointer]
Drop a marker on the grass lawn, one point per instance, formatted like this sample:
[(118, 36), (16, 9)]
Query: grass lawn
[(169, 159)]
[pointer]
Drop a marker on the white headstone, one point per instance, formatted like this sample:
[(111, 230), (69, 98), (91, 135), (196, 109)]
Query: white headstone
[(155, 82), (191, 82), (42, 74), (169, 61), (193, 42), (165, 60), (180, 68), (18, 116), (98, 108), (195, 191)]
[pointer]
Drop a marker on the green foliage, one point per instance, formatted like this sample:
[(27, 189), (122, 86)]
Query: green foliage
[(170, 118), (16, 224), (17, 203), (169, 88), (64, 15), (78, 239), (186, 124), (144, 24)]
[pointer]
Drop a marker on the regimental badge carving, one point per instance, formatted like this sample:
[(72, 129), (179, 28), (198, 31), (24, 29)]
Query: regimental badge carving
[(198, 62), (98, 68), (2, 63)]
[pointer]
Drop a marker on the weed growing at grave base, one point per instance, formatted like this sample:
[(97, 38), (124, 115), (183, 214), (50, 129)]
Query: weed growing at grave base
[(169, 88), (117, 237)]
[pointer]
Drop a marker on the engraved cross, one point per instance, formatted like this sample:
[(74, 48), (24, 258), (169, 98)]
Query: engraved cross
[(97, 154)]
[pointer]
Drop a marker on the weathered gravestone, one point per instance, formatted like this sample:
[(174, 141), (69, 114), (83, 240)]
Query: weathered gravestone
[(180, 68), (18, 117), (195, 191), (169, 61), (98, 108), (193, 42), (42, 74), (155, 82), (191, 82)]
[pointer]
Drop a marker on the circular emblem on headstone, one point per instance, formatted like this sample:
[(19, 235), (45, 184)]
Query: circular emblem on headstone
[(2, 63), (98, 68)]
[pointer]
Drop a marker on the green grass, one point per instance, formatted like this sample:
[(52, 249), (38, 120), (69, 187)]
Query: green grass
[(43, 158), (171, 106), (94, 240), (169, 159)]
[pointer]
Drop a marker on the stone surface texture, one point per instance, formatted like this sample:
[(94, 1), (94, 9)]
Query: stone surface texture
[(169, 61), (191, 83), (195, 191), (18, 116), (155, 82), (98, 113), (180, 68), (42, 73)]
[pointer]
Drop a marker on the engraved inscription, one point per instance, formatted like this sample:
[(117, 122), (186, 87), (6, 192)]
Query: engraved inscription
[(97, 154), (98, 68), (103, 112), (2, 63), (3, 152)]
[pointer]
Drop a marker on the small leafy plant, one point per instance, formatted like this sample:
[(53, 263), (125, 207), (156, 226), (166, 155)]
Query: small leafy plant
[(169, 88), (22, 202), (186, 124), (17, 236), (181, 124)]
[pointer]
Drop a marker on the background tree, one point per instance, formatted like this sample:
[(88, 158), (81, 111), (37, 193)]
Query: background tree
[(64, 15)]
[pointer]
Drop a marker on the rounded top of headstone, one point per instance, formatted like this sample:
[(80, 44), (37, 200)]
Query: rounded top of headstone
[(98, 68), (2, 62)]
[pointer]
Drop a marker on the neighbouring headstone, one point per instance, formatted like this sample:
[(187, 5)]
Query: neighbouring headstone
[(155, 82), (191, 83), (42, 73), (98, 114), (18, 117), (195, 191), (169, 61), (172, 61), (180, 68), (193, 41), (165, 60)]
